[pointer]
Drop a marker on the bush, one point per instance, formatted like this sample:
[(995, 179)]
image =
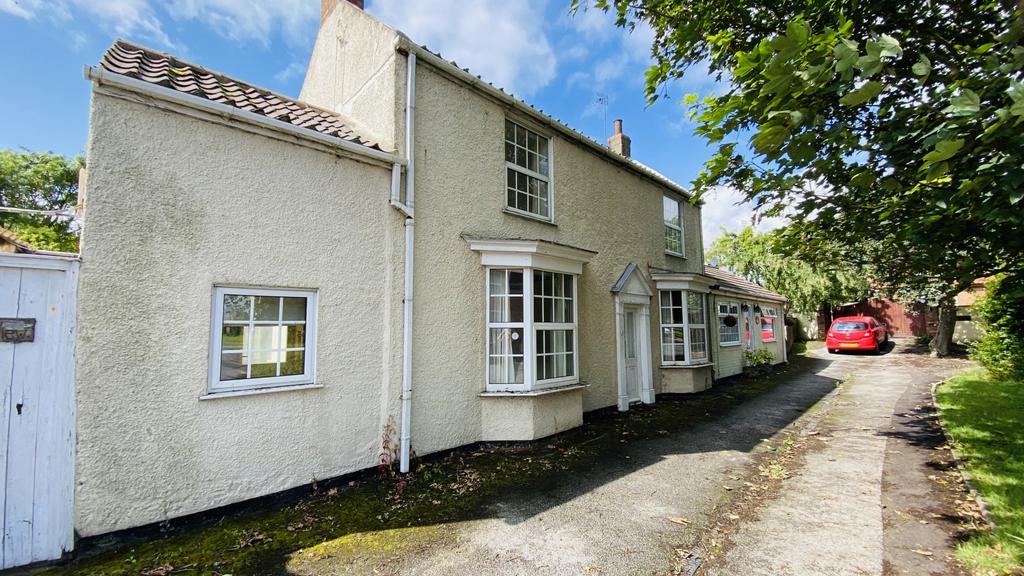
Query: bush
[(1001, 314), (759, 357)]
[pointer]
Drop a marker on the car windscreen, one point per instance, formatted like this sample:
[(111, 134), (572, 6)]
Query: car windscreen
[(849, 326)]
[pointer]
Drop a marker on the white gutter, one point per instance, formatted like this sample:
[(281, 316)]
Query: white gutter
[(410, 201), (102, 76), (405, 43)]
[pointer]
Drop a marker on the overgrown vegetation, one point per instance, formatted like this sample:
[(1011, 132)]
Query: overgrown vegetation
[(889, 130), (370, 525), (1001, 314), (807, 285), (40, 181), (984, 415)]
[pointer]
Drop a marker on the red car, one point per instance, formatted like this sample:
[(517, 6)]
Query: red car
[(856, 333)]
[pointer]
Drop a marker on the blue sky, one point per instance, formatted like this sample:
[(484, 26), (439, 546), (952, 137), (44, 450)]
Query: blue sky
[(533, 48)]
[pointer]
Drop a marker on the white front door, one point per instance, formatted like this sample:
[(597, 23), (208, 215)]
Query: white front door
[(631, 326)]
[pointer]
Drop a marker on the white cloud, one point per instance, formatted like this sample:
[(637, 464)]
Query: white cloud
[(127, 18), (291, 71), (504, 42), (239, 20), (21, 9), (725, 207), (244, 20)]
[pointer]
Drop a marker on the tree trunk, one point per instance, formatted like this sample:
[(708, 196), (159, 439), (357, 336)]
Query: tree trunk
[(943, 340)]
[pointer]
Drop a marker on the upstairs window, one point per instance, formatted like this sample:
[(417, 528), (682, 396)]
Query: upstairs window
[(262, 338), (728, 324), (683, 328), (673, 226), (527, 171)]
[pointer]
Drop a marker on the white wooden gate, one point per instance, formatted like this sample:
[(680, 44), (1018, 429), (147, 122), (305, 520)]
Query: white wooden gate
[(37, 425)]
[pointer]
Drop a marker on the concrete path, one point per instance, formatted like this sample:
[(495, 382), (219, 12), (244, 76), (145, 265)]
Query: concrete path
[(865, 501), (656, 503)]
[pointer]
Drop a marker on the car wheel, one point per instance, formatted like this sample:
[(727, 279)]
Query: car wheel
[(832, 350)]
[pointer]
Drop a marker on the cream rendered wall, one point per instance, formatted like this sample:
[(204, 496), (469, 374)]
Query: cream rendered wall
[(355, 71), (176, 205), (460, 189)]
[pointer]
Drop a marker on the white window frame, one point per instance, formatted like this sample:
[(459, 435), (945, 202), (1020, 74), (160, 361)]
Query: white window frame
[(769, 312), (530, 328), (679, 228), (548, 178), (308, 376), (688, 361), (731, 309)]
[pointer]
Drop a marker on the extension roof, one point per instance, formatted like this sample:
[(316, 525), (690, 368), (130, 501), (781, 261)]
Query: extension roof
[(733, 283), (140, 63)]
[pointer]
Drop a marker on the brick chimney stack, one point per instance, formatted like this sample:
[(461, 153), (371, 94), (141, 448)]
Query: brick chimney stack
[(619, 142), (327, 6)]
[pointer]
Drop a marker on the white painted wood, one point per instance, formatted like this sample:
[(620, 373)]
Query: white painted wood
[(38, 419), (10, 284), (631, 352)]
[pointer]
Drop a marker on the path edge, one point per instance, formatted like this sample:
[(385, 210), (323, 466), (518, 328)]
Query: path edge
[(961, 463)]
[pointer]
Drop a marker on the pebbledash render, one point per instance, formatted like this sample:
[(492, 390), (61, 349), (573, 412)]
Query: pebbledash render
[(268, 284)]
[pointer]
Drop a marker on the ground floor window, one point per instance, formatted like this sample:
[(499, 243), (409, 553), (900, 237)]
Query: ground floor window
[(768, 325), (531, 329), (262, 338), (683, 327), (728, 323)]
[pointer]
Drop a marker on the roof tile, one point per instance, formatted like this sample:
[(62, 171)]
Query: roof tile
[(140, 63)]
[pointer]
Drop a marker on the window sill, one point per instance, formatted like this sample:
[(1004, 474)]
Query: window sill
[(686, 366), (257, 391), (729, 344), (529, 216), (675, 254), (531, 393)]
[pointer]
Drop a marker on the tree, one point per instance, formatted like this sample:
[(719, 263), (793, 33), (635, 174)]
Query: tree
[(40, 181), (1001, 314), (897, 121), (806, 285)]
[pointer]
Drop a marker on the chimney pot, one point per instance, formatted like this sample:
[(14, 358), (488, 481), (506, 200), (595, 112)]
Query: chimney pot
[(619, 142)]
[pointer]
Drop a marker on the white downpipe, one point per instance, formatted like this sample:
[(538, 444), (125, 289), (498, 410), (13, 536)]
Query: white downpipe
[(410, 181)]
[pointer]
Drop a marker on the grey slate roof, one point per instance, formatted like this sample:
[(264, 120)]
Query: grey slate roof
[(734, 283), (141, 63)]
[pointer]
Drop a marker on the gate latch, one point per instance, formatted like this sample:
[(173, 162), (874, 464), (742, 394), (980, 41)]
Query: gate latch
[(17, 329)]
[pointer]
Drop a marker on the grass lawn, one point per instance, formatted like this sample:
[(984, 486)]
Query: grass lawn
[(985, 418)]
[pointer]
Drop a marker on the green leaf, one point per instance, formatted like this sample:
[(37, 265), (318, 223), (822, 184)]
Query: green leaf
[(967, 103), (797, 31), (1016, 195), (863, 94), (1016, 92), (944, 150), (869, 65), (923, 67), (769, 139), (846, 55), (889, 47)]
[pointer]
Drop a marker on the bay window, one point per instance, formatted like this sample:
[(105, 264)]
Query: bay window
[(683, 328), (728, 324), (531, 329)]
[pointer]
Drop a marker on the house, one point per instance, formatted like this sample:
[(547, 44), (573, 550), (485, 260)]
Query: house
[(10, 243), (267, 283), (967, 329)]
